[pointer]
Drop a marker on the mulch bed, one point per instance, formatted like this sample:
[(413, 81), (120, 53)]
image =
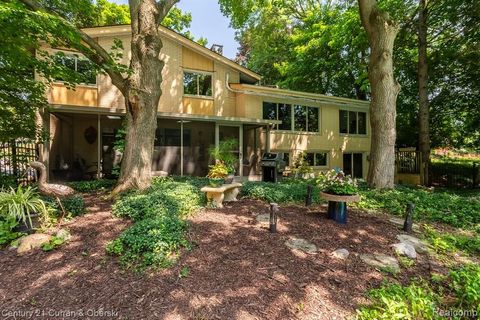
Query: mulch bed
[(236, 270)]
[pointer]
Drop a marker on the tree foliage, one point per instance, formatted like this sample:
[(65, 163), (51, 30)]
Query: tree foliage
[(319, 46)]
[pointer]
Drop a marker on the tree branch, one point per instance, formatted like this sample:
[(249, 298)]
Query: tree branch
[(366, 7), (96, 54), (164, 7)]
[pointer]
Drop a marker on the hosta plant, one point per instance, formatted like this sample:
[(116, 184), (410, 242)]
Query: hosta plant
[(21, 204)]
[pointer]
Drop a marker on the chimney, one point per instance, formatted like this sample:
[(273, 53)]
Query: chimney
[(218, 48)]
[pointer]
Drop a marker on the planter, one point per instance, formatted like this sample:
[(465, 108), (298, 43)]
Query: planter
[(21, 227), (340, 197), (216, 182), (337, 205)]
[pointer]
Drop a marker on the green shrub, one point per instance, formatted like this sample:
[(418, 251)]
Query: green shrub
[(92, 185), (7, 235), (447, 242), (7, 182), (159, 230), (164, 197), (424, 300), (74, 205), (392, 301), (466, 286), (456, 209), (151, 242), (290, 191)]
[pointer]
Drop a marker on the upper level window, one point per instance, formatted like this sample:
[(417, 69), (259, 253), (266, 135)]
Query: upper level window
[(79, 64), (353, 122), (293, 117), (197, 84)]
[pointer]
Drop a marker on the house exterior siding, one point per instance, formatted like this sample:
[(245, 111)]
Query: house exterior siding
[(233, 101)]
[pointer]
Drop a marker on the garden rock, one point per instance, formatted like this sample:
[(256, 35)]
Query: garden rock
[(418, 244), (405, 249), (263, 218), (301, 244), (381, 261), (32, 241), (341, 254), (63, 234)]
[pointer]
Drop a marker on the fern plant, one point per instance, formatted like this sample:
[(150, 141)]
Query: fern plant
[(21, 203)]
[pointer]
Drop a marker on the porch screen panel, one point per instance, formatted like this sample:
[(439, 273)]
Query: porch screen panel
[(269, 111)]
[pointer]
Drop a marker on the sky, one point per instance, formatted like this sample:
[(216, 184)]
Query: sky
[(208, 22)]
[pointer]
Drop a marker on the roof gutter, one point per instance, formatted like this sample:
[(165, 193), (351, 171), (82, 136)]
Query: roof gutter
[(284, 96)]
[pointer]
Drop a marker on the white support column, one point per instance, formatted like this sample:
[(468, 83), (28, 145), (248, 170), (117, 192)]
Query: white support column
[(240, 153), (181, 148), (217, 134), (99, 144), (267, 137)]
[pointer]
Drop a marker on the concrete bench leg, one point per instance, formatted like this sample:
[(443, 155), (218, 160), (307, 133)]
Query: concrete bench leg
[(216, 198), (231, 195)]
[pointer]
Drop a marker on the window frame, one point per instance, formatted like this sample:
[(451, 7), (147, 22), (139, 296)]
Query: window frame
[(76, 56), (197, 72), (292, 116), (356, 124), (327, 158), (352, 155)]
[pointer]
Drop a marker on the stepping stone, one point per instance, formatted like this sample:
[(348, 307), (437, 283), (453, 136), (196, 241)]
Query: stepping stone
[(399, 222), (341, 254), (301, 244), (419, 245), (263, 218), (405, 249), (381, 261)]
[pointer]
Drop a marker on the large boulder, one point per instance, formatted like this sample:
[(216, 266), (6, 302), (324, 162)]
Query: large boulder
[(419, 245), (32, 241), (381, 261), (405, 249)]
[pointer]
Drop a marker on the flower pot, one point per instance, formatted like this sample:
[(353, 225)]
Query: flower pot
[(216, 182), (27, 228)]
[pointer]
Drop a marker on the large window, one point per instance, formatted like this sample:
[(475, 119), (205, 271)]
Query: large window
[(317, 159), (83, 66), (353, 122), (353, 164), (197, 84), (293, 117)]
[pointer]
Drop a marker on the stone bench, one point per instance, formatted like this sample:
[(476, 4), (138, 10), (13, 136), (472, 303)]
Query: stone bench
[(226, 192)]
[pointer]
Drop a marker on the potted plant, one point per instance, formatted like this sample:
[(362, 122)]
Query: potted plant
[(224, 154), (338, 189), (217, 174)]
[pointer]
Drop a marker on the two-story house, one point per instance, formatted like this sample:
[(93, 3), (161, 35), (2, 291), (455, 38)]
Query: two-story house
[(206, 98)]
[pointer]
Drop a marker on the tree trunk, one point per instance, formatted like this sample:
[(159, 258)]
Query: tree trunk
[(423, 104), (142, 95), (381, 32)]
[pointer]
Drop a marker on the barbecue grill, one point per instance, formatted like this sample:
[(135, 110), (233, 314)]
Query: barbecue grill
[(272, 166)]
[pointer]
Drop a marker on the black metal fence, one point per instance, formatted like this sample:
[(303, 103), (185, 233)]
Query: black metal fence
[(15, 155), (455, 175), (407, 161)]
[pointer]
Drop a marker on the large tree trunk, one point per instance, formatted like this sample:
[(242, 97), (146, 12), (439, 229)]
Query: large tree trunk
[(423, 104), (381, 32), (142, 95)]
